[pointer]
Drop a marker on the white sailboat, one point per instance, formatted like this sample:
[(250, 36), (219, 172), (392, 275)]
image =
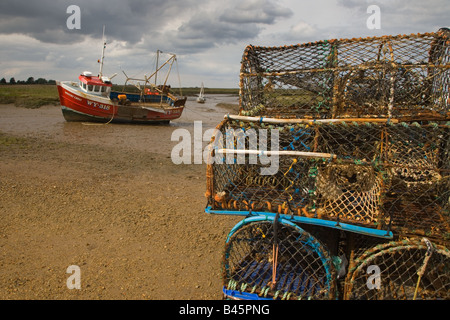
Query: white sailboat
[(201, 97)]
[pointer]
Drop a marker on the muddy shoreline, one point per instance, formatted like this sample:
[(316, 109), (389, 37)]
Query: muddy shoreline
[(109, 199)]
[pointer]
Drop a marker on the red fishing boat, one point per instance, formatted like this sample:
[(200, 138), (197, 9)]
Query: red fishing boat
[(92, 99)]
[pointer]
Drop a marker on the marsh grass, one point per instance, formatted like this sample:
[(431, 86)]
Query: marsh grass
[(29, 95)]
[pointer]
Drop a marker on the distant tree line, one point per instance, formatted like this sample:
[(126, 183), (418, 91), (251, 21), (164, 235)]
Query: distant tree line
[(30, 80)]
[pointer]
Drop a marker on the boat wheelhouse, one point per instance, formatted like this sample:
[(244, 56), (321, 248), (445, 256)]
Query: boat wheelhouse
[(95, 85)]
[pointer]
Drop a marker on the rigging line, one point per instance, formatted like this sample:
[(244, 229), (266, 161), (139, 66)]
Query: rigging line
[(179, 79), (101, 124)]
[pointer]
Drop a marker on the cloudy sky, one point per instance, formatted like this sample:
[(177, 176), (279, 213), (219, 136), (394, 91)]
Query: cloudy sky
[(208, 36)]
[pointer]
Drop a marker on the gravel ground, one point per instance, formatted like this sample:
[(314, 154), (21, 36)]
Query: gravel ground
[(130, 219)]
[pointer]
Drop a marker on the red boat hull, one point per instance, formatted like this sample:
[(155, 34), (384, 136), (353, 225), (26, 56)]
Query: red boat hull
[(79, 106)]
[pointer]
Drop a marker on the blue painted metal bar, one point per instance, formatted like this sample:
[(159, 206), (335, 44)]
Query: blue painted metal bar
[(313, 221), (237, 295), (259, 217)]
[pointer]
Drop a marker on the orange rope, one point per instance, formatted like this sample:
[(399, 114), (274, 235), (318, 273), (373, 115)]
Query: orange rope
[(274, 265)]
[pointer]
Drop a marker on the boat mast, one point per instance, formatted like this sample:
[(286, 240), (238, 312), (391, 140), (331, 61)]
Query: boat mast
[(157, 62), (103, 54)]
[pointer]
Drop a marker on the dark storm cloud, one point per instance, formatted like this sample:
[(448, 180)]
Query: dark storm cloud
[(203, 31), (45, 20), (186, 24), (242, 21)]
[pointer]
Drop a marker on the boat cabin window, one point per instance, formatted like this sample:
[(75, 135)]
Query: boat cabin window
[(98, 89)]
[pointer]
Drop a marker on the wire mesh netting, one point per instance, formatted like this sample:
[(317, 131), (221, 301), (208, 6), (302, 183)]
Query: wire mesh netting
[(352, 135), (397, 76)]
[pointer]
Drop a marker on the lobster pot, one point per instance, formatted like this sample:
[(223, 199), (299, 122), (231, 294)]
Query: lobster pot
[(416, 163), (374, 174), (260, 183), (400, 270), (269, 258), (389, 76), (321, 170)]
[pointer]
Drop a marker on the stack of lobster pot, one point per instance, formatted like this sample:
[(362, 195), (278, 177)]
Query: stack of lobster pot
[(339, 164)]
